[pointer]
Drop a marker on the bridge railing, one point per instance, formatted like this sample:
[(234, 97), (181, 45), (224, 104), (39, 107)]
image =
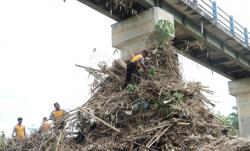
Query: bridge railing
[(219, 16)]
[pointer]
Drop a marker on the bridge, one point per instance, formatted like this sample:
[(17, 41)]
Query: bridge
[(227, 50)]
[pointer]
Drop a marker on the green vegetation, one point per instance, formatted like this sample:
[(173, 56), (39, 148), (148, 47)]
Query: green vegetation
[(164, 31), (231, 121), (2, 141), (131, 88), (151, 72), (178, 96)]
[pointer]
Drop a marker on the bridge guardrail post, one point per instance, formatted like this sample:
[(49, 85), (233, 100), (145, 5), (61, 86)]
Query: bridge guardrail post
[(231, 20), (215, 15), (246, 36), (195, 3)]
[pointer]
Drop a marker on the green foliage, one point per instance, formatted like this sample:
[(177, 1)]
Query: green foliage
[(151, 72), (53, 147), (131, 88), (230, 121), (2, 141), (179, 96), (164, 31), (32, 130)]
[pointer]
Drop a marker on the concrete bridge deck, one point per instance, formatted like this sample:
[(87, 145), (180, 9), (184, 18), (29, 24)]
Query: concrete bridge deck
[(227, 50), (225, 43)]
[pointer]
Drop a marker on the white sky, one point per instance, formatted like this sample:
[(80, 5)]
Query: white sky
[(41, 41)]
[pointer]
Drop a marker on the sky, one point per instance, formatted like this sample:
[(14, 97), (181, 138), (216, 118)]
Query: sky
[(41, 41)]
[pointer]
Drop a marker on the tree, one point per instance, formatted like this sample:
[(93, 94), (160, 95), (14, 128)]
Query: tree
[(231, 121), (2, 141)]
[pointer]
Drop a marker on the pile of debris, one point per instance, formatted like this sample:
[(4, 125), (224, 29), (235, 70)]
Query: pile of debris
[(227, 144), (158, 111), (161, 112)]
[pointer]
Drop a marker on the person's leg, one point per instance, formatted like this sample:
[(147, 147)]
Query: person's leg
[(130, 69), (137, 75)]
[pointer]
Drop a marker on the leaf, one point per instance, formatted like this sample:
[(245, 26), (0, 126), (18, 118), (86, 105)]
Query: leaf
[(179, 96), (151, 72)]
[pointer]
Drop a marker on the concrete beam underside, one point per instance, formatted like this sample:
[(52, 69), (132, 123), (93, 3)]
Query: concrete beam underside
[(240, 89)]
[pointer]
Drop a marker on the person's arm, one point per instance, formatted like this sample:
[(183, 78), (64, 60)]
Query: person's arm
[(64, 114), (141, 61), (51, 116), (49, 125), (14, 132), (40, 128)]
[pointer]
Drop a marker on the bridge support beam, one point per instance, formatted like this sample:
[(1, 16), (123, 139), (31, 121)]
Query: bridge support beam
[(135, 33), (240, 89)]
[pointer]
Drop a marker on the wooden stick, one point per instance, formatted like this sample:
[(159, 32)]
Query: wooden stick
[(121, 63), (89, 68), (131, 53), (154, 128), (58, 142), (102, 121), (158, 137), (184, 124), (152, 139), (142, 145), (106, 70), (40, 147), (113, 74), (220, 119)]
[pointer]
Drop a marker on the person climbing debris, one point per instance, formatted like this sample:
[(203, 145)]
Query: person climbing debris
[(45, 126), (58, 116), (134, 65), (19, 133)]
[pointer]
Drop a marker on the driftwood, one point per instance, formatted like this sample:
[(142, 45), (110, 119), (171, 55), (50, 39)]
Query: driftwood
[(142, 145), (102, 121), (165, 113), (58, 142), (157, 136), (88, 68), (121, 63), (156, 127)]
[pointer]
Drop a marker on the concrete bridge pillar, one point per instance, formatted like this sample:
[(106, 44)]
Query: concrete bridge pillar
[(133, 34), (241, 90)]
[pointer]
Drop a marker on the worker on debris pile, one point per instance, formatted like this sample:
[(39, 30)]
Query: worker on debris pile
[(45, 126), (134, 65), (58, 116), (19, 131)]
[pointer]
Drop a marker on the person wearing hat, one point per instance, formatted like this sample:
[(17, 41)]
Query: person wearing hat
[(19, 130)]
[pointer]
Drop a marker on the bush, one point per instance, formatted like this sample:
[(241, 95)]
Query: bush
[(2, 142), (164, 31)]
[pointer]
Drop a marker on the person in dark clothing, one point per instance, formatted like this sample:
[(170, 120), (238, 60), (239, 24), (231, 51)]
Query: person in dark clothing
[(134, 64)]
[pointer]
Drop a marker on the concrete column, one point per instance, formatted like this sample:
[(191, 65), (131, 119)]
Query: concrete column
[(133, 34), (241, 90)]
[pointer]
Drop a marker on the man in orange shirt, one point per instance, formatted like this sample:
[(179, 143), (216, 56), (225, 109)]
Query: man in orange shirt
[(45, 126), (58, 116), (19, 131)]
